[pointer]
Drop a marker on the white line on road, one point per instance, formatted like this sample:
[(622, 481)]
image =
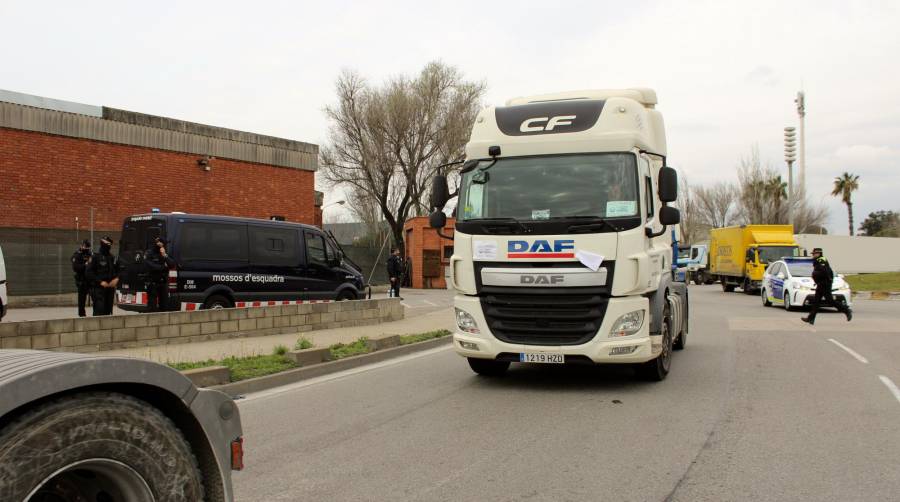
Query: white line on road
[(337, 376), (891, 386), (432, 304), (849, 351)]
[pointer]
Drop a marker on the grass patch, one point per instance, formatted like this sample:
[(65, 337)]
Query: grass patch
[(342, 350), (242, 368), (303, 344), (421, 337), (887, 281)]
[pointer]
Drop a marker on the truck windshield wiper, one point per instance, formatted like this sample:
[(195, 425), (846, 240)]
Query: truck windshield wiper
[(600, 224), (512, 222)]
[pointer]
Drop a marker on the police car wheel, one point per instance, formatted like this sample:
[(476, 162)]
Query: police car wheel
[(765, 298), (787, 302), (217, 302)]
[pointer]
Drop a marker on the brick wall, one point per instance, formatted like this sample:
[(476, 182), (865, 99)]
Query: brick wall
[(419, 236), (94, 334), (46, 181)]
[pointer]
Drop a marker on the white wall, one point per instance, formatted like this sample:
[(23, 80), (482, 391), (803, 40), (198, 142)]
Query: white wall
[(853, 255)]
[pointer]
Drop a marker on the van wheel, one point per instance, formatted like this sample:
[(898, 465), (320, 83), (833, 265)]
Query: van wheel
[(346, 295), (97, 446), (216, 302)]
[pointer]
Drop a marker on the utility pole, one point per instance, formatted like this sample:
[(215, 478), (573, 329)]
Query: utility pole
[(801, 158), (92, 226), (789, 157)]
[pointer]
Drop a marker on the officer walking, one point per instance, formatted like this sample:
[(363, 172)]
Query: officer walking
[(395, 272), (823, 276), (80, 259), (102, 273), (158, 263)]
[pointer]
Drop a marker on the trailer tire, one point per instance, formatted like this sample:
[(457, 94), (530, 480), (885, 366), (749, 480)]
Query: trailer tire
[(658, 369), (97, 446), (488, 367)]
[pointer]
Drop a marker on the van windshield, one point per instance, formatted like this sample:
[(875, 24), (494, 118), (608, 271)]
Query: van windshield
[(551, 186)]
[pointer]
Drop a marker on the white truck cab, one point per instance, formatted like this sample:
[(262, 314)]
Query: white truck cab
[(562, 250)]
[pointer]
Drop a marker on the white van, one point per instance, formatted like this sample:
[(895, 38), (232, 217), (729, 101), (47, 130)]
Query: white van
[(4, 301)]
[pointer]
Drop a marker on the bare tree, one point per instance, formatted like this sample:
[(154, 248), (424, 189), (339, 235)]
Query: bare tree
[(716, 204), (386, 143)]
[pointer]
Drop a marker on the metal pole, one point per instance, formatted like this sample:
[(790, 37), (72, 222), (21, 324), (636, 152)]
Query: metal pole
[(92, 226), (801, 157), (790, 193)]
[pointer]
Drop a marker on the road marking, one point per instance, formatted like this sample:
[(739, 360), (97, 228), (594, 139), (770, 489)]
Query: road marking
[(890, 385), (432, 304), (337, 376), (849, 351)]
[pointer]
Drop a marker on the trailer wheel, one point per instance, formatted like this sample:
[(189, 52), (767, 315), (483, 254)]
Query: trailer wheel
[(216, 302), (99, 446), (658, 369), (488, 367)]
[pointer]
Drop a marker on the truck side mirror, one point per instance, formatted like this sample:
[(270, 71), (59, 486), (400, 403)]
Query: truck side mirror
[(440, 192), (668, 184), (669, 215), (437, 219)]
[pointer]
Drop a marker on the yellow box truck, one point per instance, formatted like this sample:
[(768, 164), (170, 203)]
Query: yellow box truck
[(738, 256)]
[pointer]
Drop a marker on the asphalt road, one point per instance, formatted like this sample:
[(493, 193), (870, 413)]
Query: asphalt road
[(758, 407)]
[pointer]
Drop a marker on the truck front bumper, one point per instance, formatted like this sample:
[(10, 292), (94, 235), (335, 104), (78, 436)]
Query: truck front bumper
[(600, 349)]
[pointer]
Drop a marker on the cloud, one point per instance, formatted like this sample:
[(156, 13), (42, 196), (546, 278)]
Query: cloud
[(763, 75)]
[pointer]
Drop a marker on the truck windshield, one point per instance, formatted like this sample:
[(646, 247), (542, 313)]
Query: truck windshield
[(553, 186), (768, 254)]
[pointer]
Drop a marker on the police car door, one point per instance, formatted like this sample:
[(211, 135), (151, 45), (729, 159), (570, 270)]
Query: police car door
[(777, 282)]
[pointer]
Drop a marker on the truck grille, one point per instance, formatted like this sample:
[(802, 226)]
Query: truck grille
[(544, 319)]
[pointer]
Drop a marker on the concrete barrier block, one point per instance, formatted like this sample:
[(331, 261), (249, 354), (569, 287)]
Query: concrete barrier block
[(341, 316), (208, 328), (314, 318), (246, 324), (256, 312), (157, 319), (200, 316), (8, 329), (265, 323), (169, 331), (281, 321), (112, 322), (87, 324), (180, 317), (327, 317), (307, 357), (383, 342), (356, 315), (99, 336), (237, 314), (218, 315), (273, 311), (318, 308), (15, 342), (60, 326), (135, 321), (39, 342), (209, 376), (304, 308), (298, 320), (228, 326), (124, 335), (191, 329), (290, 310), (72, 339), (147, 332), (31, 328)]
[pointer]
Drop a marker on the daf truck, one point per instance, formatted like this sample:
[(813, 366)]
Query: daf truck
[(562, 245), (739, 255)]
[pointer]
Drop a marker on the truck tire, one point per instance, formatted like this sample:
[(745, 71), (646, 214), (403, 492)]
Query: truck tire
[(97, 446), (747, 287), (726, 288), (216, 302), (488, 367), (699, 277), (658, 369)]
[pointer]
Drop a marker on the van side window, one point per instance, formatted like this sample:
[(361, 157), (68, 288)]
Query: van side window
[(273, 246), (315, 250), (213, 242)]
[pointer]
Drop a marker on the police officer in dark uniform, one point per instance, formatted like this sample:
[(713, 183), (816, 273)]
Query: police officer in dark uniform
[(103, 275), (80, 259), (823, 277), (395, 272), (158, 263)]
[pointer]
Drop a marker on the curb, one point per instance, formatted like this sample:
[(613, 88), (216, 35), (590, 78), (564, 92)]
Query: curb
[(316, 370), (877, 295)]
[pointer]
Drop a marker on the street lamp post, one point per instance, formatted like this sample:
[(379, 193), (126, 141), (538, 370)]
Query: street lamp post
[(790, 157), (801, 147)]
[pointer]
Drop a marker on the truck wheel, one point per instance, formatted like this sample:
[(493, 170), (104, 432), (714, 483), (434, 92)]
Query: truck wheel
[(216, 302), (748, 289), (765, 298), (488, 367), (658, 369), (699, 277), (726, 288), (97, 446)]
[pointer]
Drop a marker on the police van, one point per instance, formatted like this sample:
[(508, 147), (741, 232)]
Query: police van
[(222, 261)]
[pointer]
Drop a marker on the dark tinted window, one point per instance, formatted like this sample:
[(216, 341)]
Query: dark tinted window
[(315, 250), (213, 241), (273, 246)]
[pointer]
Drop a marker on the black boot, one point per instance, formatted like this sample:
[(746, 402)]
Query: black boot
[(849, 314), (808, 320)]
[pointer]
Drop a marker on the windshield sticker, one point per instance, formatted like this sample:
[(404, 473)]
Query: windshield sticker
[(484, 250), (540, 214), (616, 208)]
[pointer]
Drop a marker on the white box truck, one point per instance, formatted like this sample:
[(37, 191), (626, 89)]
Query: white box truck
[(563, 248)]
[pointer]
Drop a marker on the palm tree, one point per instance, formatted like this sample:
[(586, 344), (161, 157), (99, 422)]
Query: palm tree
[(845, 185)]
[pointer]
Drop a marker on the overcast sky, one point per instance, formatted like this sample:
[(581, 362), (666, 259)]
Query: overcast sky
[(726, 73)]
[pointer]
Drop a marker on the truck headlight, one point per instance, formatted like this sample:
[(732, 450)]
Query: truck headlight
[(465, 322), (627, 324)]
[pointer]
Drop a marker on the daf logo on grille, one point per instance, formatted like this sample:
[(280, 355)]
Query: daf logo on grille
[(542, 279)]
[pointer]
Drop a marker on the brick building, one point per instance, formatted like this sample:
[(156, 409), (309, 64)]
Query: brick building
[(428, 252), (64, 166)]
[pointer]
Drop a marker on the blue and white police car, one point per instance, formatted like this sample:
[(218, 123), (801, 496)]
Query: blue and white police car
[(789, 282)]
